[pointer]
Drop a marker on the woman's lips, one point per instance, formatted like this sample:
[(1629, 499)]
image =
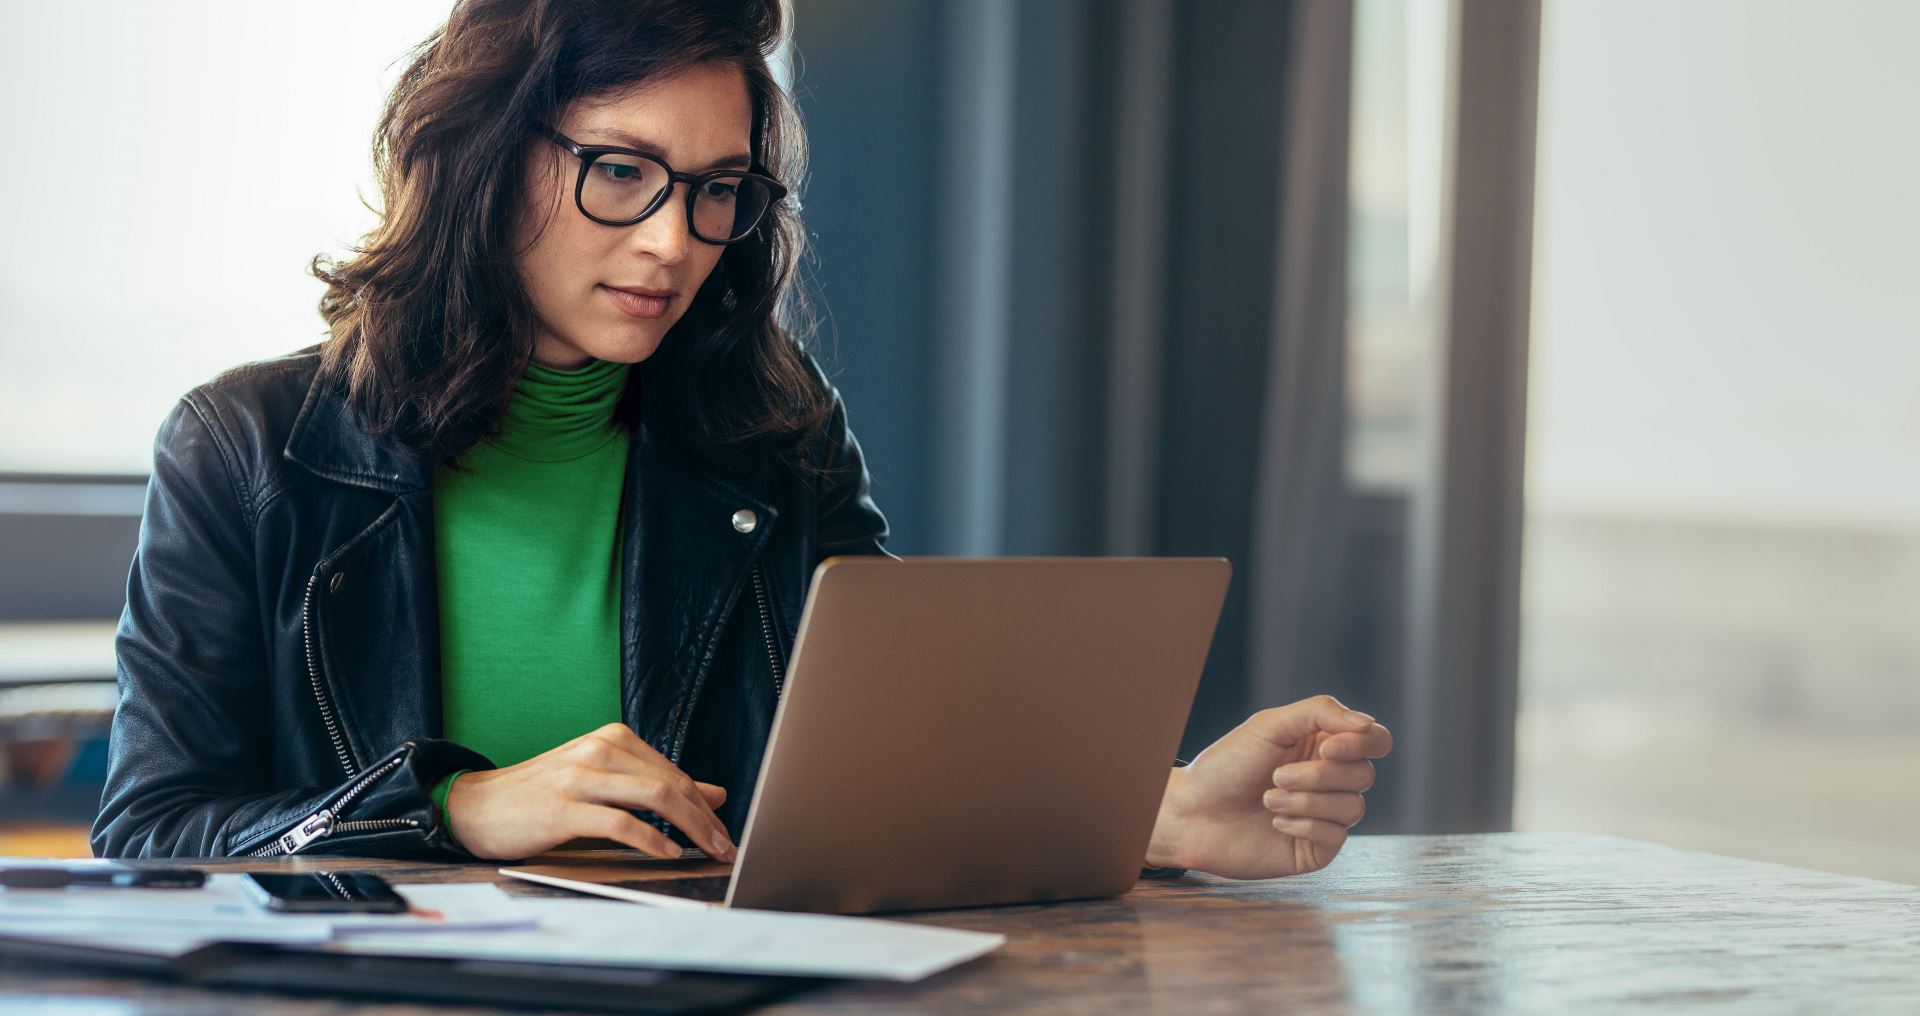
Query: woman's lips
[(637, 305)]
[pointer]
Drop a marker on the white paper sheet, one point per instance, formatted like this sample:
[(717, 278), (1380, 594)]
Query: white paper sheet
[(480, 920), (736, 941), (171, 921)]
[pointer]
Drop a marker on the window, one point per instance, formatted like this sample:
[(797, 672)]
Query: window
[(1721, 614), (171, 169)]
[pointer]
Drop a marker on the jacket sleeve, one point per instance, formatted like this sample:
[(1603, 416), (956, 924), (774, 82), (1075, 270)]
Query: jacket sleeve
[(190, 760), (849, 522)]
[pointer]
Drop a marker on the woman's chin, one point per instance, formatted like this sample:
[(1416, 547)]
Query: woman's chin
[(626, 343), (631, 352), (560, 355)]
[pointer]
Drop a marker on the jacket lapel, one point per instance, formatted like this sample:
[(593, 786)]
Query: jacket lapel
[(689, 541), (373, 597)]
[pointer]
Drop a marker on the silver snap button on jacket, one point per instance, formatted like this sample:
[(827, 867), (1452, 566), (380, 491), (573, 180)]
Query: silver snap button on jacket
[(339, 579), (744, 520)]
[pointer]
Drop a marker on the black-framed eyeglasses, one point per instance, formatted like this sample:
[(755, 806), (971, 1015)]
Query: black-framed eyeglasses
[(620, 186)]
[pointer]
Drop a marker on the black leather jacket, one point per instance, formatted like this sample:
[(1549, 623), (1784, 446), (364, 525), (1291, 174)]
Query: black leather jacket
[(279, 658)]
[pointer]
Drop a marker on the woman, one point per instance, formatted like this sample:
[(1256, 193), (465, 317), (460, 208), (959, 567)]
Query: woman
[(519, 551)]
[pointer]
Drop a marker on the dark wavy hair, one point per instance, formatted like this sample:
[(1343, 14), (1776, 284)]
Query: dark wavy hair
[(429, 325)]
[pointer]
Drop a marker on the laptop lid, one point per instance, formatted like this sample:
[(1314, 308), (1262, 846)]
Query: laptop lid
[(974, 731)]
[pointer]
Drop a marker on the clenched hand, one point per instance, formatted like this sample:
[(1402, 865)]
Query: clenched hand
[(1275, 796)]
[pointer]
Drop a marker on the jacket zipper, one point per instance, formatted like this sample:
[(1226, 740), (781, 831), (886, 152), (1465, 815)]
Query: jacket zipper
[(766, 631), (773, 659), (319, 688), (320, 824)]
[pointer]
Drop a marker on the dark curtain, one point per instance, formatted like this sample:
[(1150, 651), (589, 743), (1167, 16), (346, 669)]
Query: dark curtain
[(1085, 263)]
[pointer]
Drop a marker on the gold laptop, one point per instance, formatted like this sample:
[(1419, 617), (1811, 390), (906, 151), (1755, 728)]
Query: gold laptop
[(961, 732)]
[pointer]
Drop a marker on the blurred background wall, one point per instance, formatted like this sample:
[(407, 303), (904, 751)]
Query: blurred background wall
[(1538, 365), (1722, 616)]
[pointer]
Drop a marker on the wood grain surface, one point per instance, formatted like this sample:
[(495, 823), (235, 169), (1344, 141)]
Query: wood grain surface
[(1519, 922)]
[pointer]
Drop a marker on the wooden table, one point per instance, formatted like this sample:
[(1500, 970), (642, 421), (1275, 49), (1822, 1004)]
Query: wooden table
[(1523, 922)]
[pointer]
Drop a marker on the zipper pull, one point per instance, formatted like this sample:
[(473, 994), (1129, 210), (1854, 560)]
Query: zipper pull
[(318, 825)]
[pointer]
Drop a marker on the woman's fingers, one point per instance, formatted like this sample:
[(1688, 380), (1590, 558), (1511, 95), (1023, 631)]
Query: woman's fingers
[(619, 826), (615, 748), (1323, 775), (608, 756), (1326, 837), (1344, 809), (674, 798), (1349, 746)]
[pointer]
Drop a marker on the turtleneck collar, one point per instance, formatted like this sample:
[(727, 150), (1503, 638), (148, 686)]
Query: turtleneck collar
[(558, 415)]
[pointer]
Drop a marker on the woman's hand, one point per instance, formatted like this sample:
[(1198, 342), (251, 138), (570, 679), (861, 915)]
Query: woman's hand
[(585, 788), (1275, 796)]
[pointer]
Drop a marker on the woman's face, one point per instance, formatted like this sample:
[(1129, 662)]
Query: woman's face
[(575, 270)]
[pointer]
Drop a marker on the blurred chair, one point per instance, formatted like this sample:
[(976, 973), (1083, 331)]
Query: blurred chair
[(57, 694)]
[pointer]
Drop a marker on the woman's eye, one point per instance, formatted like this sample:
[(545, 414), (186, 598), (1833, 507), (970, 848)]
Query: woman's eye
[(720, 189), (617, 170)]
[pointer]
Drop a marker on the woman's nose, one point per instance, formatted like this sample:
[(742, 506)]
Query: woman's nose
[(664, 234)]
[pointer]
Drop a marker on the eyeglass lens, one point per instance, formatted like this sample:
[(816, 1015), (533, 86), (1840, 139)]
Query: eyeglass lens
[(725, 208)]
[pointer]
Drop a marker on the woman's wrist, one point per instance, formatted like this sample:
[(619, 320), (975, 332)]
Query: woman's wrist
[(442, 792), (1163, 847)]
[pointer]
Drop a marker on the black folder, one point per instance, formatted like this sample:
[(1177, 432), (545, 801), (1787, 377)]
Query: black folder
[(304, 970)]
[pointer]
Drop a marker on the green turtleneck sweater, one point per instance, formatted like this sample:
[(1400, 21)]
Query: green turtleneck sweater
[(529, 570)]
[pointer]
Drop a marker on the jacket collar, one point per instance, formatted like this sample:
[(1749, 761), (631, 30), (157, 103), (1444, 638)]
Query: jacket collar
[(328, 440)]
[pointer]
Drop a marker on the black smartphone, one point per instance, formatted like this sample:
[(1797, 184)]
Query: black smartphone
[(325, 892)]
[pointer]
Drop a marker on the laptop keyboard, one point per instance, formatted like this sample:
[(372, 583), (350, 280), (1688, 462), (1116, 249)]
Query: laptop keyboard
[(707, 888)]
